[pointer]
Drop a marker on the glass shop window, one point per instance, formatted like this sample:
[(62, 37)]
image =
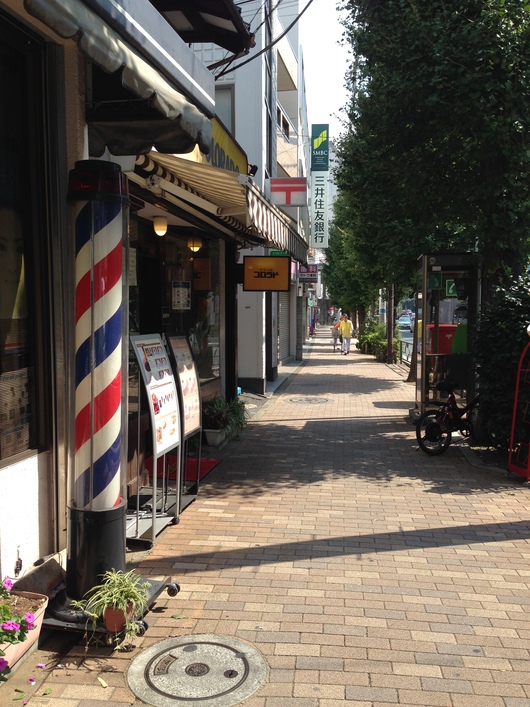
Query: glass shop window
[(192, 279), (20, 150)]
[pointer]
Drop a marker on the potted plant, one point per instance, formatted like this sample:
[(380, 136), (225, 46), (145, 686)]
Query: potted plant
[(238, 415), (118, 601), (21, 616), (223, 418)]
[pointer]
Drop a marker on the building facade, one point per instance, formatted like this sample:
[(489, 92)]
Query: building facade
[(262, 102), (116, 83)]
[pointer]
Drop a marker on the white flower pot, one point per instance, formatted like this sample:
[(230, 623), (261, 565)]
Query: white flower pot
[(215, 437)]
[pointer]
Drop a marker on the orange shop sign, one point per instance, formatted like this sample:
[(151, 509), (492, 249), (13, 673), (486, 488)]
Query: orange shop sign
[(265, 273)]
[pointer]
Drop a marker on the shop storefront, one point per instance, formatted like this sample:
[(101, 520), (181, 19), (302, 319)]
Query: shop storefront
[(84, 85), (80, 81)]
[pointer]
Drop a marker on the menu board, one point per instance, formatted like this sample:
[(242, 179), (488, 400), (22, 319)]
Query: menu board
[(189, 384), (161, 391)]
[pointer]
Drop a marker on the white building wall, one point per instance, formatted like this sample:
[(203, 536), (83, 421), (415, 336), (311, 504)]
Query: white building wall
[(251, 133), (254, 125), (26, 523), (251, 335)]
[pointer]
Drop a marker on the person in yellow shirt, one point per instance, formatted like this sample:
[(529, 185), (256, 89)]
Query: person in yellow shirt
[(346, 331)]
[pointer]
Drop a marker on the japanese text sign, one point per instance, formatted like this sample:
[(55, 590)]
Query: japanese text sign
[(265, 273)]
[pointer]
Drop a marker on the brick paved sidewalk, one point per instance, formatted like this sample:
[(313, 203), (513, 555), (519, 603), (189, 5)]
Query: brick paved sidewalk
[(365, 572)]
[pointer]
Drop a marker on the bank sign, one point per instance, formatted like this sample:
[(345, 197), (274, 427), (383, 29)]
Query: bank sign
[(320, 148)]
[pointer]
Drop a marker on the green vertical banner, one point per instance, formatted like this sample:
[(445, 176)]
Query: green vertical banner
[(320, 148)]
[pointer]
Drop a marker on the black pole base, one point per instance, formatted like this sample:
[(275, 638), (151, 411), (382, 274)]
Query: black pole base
[(96, 543), (60, 608)]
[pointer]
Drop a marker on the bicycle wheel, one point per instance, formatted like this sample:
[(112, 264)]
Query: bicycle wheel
[(432, 434)]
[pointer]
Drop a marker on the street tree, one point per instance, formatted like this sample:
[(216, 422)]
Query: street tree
[(437, 154)]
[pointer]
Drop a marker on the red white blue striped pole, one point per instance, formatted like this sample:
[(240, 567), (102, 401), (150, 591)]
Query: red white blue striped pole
[(96, 503)]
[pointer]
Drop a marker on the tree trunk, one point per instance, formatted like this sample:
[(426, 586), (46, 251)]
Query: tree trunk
[(390, 324)]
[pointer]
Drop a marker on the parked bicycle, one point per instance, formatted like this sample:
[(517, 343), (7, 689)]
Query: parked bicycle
[(435, 427)]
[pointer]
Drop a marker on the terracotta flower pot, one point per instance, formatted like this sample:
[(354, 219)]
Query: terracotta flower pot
[(115, 619)]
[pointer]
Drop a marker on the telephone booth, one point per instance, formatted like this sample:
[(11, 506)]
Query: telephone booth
[(518, 454), (446, 311)]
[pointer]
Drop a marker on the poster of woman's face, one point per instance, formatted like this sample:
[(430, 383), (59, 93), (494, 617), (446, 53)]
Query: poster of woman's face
[(12, 284)]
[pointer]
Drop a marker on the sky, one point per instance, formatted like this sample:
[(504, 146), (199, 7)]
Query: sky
[(325, 64)]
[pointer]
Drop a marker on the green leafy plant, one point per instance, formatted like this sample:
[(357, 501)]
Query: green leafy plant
[(125, 591), (373, 340), (222, 414), (237, 414), (498, 343)]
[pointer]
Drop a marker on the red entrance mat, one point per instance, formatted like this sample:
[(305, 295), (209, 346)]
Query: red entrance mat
[(191, 467), (206, 466)]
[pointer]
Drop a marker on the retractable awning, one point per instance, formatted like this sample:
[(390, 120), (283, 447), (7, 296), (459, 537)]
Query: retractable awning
[(231, 198), (176, 124)]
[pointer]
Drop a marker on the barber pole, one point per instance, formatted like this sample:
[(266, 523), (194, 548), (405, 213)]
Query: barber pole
[(98, 329), (96, 507)]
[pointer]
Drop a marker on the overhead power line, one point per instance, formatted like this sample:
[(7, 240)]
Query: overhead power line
[(265, 49)]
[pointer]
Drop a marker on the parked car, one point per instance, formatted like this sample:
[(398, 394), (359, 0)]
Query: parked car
[(404, 321)]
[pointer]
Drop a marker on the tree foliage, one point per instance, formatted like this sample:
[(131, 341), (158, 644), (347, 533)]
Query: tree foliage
[(436, 157), (498, 344), (347, 279)]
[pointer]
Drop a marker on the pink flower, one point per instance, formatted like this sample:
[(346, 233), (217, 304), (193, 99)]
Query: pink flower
[(32, 681), (3, 664), (30, 618), (7, 583), (11, 626), (41, 665)]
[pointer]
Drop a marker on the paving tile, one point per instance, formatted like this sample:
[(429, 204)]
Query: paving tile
[(372, 694)]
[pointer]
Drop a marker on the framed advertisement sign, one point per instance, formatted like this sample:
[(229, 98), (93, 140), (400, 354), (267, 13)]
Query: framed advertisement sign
[(161, 391), (189, 384)]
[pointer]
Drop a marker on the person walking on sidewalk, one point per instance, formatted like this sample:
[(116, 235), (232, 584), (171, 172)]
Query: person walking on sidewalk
[(346, 331)]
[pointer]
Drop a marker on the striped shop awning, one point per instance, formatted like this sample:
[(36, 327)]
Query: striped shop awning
[(239, 203), (200, 181)]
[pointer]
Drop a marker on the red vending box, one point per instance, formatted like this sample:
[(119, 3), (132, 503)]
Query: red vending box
[(445, 338)]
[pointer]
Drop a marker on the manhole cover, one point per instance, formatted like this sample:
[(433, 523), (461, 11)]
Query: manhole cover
[(309, 401), (205, 670)]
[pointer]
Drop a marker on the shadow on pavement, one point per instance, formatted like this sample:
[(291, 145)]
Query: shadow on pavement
[(351, 545)]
